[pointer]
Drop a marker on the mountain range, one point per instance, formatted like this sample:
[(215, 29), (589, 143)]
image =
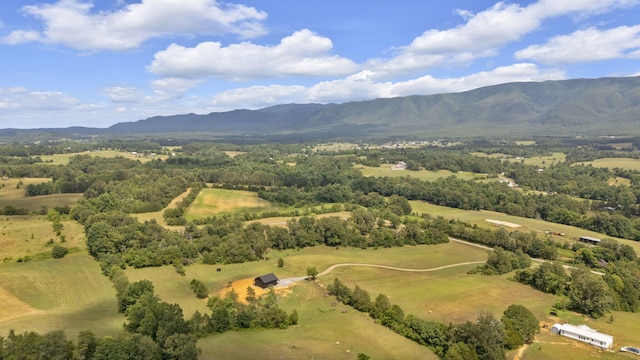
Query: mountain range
[(579, 107)]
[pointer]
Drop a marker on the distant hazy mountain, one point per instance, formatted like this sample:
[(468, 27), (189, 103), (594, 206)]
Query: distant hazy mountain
[(607, 106)]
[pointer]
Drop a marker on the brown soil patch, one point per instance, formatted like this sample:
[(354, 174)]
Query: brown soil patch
[(240, 287), (13, 308)]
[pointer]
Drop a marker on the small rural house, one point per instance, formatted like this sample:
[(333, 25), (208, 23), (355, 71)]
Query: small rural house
[(265, 281), (583, 333)]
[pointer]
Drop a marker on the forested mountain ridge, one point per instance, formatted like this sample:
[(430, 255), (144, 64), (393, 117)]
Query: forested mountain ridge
[(590, 107)]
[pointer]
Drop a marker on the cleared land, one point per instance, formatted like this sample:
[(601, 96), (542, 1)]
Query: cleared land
[(27, 235), (12, 192), (539, 161), (69, 293), (62, 159), (478, 217), (622, 163), (386, 170), (212, 202), (324, 332)]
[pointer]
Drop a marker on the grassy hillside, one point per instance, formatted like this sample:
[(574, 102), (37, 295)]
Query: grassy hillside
[(69, 293)]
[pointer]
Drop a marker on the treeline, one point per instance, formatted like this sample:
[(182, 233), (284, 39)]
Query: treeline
[(487, 338), (155, 330), (587, 292), (117, 238)]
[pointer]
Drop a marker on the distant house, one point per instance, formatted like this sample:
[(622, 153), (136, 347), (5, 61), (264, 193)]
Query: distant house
[(265, 281), (401, 165), (583, 333), (589, 240)]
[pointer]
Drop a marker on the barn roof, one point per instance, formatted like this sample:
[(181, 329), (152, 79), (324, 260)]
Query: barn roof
[(268, 278)]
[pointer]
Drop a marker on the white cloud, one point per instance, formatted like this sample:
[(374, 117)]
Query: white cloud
[(258, 97), (586, 45), (21, 98), (119, 94), (170, 89), (303, 53), (484, 33), (428, 85), (73, 24), (363, 86)]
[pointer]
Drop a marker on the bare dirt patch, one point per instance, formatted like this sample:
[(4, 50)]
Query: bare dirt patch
[(13, 308), (240, 287), (503, 223)]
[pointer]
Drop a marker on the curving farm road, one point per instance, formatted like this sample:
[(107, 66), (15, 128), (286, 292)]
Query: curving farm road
[(332, 267)]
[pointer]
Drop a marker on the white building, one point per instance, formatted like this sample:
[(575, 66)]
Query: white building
[(583, 333)]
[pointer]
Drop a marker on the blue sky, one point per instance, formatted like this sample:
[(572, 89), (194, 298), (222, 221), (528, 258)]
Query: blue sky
[(96, 63)]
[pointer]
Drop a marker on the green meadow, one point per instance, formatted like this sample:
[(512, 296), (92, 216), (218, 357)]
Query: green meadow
[(33, 236), (62, 159), (622, 163), (210, 202), (325, 331), (540, 161), (69, 293), (386, 170), (12, 192), (571, 233)]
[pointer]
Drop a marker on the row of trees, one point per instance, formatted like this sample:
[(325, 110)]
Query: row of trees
[(487, 338)]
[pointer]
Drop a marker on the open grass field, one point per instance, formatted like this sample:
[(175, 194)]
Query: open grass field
[(622, 163), (448, 295), (324, 332), (550, 346), (540, 161), (158, 215), (212, 202), (233, 154), (27, 235), (385, 170), (13, 188), (479, 217), (12, 192), (68, 293), (282, 220), (62, 159)]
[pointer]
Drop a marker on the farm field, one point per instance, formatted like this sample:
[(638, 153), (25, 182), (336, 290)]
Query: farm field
[(27, 235), (479, 217), (158, 215), (540, 161), (622, 163), (324, 332), (69, 293), (426, 175), (212, 202), (62, 159), (12, 192), (447, 296)]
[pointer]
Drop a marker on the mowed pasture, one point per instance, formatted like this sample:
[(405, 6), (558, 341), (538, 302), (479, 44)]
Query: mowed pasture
[(28, 235), (69, 293), (624, 329), (323, 332), (571, 233), (425, 175), (13, 190), (63, 159), (321, 324), (211, 202), (622, 163), (540, 161)]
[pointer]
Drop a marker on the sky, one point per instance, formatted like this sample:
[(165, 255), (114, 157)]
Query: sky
[(95, 63)]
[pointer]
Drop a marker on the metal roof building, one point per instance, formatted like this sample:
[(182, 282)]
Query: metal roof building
[(583, 333)]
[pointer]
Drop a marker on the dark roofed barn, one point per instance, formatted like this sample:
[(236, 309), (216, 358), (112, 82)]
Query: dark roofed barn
[(265, 281)]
